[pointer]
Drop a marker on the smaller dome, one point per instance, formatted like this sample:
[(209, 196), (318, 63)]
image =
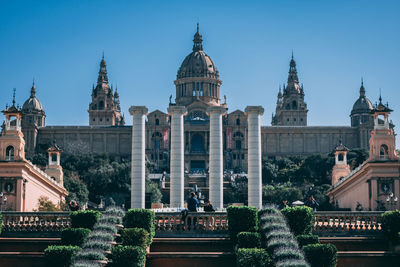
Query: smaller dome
[(32, 104), (362, 105)]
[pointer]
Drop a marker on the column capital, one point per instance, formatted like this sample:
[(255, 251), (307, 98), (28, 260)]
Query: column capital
[(216, 109), (254, 109), (177, 109), (138, 110)]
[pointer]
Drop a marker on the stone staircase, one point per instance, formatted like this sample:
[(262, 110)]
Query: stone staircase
[(27, 252), (190, 252), (367, 251)]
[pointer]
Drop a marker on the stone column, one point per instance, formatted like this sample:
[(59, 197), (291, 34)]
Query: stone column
[(216, 188), (177, 165), (254, 155), (138, 168)]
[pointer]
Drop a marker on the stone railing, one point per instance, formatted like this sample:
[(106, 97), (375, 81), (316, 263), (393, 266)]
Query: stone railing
[(171, 224), (34, 222), (348, 223)]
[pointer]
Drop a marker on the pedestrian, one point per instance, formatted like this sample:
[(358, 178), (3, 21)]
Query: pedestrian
[(312, 203), (208, 207), (283, 204)]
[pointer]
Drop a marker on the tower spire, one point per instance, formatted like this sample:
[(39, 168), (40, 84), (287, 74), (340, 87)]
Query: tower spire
[(362, 89), (33, 89), (13, 101), (102, 78), (197, 41), (292, 78)]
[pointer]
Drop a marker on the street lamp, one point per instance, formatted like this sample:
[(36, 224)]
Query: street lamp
[(392, 200)]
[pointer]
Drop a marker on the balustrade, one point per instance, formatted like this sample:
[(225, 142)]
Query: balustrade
[(35, 221), (348, 222), (191, 222)]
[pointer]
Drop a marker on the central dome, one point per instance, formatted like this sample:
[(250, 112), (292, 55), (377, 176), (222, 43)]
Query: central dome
[(197, 63)]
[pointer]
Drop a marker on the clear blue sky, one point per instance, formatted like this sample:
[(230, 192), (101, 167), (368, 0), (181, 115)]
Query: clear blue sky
[(334, 42)]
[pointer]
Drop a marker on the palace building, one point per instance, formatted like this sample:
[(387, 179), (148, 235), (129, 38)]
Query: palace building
[(21, 182), (198, 87)]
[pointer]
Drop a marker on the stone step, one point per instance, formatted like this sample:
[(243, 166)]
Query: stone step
[(26, 259), (357, 243), (8, 244), (367, 259), (190, 259), (191, 245)]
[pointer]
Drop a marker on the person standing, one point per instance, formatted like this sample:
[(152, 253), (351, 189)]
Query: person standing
[(312, 203), (192, 202)]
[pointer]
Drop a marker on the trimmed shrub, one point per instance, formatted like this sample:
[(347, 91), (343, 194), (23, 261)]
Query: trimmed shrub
[(110, 219), (83, 263), (391, 225), (276, 243), (135, 237), (304, 240), (300, 219), (84, 219), (100, 235), (249, 240), (90, 254), (60, 256), (321, 255), (292, 263), (114, 210), (74, 236), (241, 219), (278, 234), (252, 257), (128, 256), (287, 253), (97, 244), (105, 227), (141, 218)]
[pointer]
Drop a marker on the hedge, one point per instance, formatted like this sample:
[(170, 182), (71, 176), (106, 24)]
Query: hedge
[(391, 225), (135, 237), (321, 255), (84, 219), (141, 218), (60, 256), (128, 256), (74, 236), (253, 257), (249, 240), (241, 219), (304, 240), (300, 219)]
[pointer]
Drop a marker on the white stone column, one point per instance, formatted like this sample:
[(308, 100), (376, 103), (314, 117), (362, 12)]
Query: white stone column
[(254, 155), (177, 175), (216, 188), (138, 168)]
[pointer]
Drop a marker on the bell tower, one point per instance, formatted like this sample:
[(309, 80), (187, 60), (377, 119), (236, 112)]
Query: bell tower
[(12, 143), (54, 168), (104, 110), (341, 168), (382, 141), (291, 110)]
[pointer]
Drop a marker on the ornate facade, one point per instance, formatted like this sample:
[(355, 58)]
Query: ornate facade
[(198, 87)]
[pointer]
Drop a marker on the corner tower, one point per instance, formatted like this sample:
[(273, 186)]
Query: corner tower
[(291, 110), (104, 110), (198, 78), (362, 108)]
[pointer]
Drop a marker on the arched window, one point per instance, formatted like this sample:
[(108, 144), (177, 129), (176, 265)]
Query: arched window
[(383, 152), (340, 157), (238, 144), (294, 104), (53, 157), (288, 107), (10, 153), (157, 122), (237, 122)]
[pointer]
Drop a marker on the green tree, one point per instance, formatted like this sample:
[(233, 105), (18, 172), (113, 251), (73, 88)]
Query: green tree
[(278, 192)]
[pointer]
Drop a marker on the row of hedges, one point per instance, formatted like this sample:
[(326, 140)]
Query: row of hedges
[(278, 240)]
